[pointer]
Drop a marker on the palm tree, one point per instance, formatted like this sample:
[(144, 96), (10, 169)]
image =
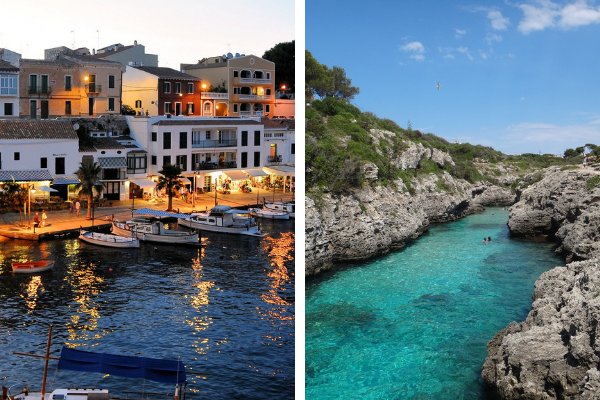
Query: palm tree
[(170, 179), (88, 174), (15, 193)]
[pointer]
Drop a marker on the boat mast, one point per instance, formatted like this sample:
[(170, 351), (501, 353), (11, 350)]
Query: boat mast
[(47, 357)]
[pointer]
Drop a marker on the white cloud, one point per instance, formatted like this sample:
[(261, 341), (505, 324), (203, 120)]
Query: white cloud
[(578, 14), (483, 54), (417, 50), (465, 51), (546, 14), (459, 32), (448, 56), (493, 37), (538, 18), (498, 21)]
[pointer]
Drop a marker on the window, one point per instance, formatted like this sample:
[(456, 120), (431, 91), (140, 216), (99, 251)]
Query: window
[(166, 140), (167, 108), (267, 92), (267, 108), (153, 160), (183, 140), (154, 135), (166, 87), (268, 75), (8, 84), (257, 138), (111, 104), (44, 162), (17, 156), (236, 90), (293, 148), (111, 81), (68, 107), (177, 87), (235, 108), (190, 108), (138, 104), (59, 165), (195, 138), (182, 162), (235, 74), (207, 135), (244, 138), (32, 84), (68, 83), (257, 158), (190, 88), (244, 160), (166, 160), (8, 108), (45, 84), (206, 108)]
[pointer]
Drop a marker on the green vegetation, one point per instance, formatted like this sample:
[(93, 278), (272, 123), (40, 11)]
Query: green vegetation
[(593, 182), (339, 142)]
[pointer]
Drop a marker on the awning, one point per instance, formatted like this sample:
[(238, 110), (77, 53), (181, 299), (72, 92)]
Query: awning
[(46, 189), (144, 183), (65, 180), (282, 170), (255, 172), (153, 369), (112, 162), (236, 175), (25, 176), (159, 213)]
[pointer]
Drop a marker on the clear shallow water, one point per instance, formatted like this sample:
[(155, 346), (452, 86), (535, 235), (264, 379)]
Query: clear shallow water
[(227, 309), (414, 324)]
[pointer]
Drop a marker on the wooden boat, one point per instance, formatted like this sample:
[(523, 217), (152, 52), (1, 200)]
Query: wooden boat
[(152, 231), (108, 239), (269, 213), (32, 266), (222, 219), (284, 206)]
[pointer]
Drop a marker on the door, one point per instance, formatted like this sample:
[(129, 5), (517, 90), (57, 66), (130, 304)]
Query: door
[(92, 83), (45, 85), (91, 106), (207, 182), (32, 109), (44, 107), (112, 191)]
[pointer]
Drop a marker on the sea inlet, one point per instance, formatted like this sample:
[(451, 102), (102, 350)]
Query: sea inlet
[(226, 309), (414, 324)]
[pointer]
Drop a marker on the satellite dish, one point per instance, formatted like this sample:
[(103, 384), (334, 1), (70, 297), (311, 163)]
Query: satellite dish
[(229, 55), (76, 126)]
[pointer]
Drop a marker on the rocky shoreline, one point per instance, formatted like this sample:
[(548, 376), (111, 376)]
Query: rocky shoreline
[(554, 353)]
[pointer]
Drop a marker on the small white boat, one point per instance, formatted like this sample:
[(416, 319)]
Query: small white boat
[(108, 239), (269, 213), (284, 206), (32, 266), (152, 231), (223, 219)]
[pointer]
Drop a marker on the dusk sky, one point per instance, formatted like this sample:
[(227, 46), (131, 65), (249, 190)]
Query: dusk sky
[(177, 31), (520, 76)]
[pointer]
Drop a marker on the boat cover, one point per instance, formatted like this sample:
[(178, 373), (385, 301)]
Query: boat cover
[(153, 369), (159, 213)]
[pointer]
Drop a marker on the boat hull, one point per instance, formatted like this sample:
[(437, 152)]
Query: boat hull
[(109, 240), (269, 214), (32, 267), (144, 233), (238, 230)]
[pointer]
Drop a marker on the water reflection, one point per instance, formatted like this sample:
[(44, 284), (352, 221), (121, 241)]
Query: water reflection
[(33, 287)]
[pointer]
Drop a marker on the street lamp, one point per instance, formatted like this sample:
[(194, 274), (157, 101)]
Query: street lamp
[(29, 191), (132, 206)]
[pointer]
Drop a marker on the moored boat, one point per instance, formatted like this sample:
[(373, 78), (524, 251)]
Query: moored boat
[(284, 206), (32, 266), (223, 219), (152, 231), (108, 239), (269, 213)]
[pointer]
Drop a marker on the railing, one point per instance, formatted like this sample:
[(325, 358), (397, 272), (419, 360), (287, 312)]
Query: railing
[(214, 95), (93, 88), (263, 97), (204, 166), (215, 143), (136, 170), (264, 81), (274, 159), (247, 96), (247, 80), (112, 175), (40, 90)]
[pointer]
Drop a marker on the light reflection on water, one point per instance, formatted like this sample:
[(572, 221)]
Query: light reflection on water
[(226, 308)]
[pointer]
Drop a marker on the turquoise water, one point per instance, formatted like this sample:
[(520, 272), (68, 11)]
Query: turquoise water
[(414, 324)]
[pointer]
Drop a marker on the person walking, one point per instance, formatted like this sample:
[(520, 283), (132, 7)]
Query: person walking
[(78, 207), (36, 220), (585, 161), (44, 218), (71, 208)]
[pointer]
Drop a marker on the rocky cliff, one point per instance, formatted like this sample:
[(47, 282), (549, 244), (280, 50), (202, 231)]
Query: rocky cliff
[(554, 353), (367, 222)]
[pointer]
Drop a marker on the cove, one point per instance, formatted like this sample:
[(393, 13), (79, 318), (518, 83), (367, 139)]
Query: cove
[(414, 324)]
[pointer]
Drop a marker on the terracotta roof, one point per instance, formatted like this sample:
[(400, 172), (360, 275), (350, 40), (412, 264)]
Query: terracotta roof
[(36, 129), (279, 123), (216, 121), (163, 72), (6, 66), (107, 142)]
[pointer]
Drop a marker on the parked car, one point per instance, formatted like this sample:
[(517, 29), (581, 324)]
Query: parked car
[(127, 110)]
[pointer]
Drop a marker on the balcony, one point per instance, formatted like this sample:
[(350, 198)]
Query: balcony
[(39, 90), (215, 143), (207, 166), (214, 96), (272, 160), (92, 88), (264, 81)]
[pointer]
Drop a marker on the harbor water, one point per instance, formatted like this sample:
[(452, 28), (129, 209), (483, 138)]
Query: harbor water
[(226, 309), (414, 324)]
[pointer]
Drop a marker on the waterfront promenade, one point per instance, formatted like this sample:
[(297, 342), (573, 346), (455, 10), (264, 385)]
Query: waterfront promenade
[(62, 222)]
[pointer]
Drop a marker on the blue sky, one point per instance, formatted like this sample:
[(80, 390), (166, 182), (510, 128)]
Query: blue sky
[(520, 76)]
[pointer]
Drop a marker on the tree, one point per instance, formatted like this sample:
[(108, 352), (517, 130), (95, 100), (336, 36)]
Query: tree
[(342, 85), (170, 179), (15, 193), (88, 175), (571, 153), (283, 55), (325, 82)]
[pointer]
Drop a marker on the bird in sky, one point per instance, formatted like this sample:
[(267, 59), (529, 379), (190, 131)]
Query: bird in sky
[(439, 86)]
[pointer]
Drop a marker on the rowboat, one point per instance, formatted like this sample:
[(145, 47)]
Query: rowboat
[(32, 266), (269, 213), (108, 239), (222, 219), (285, 206), (152, 231)]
